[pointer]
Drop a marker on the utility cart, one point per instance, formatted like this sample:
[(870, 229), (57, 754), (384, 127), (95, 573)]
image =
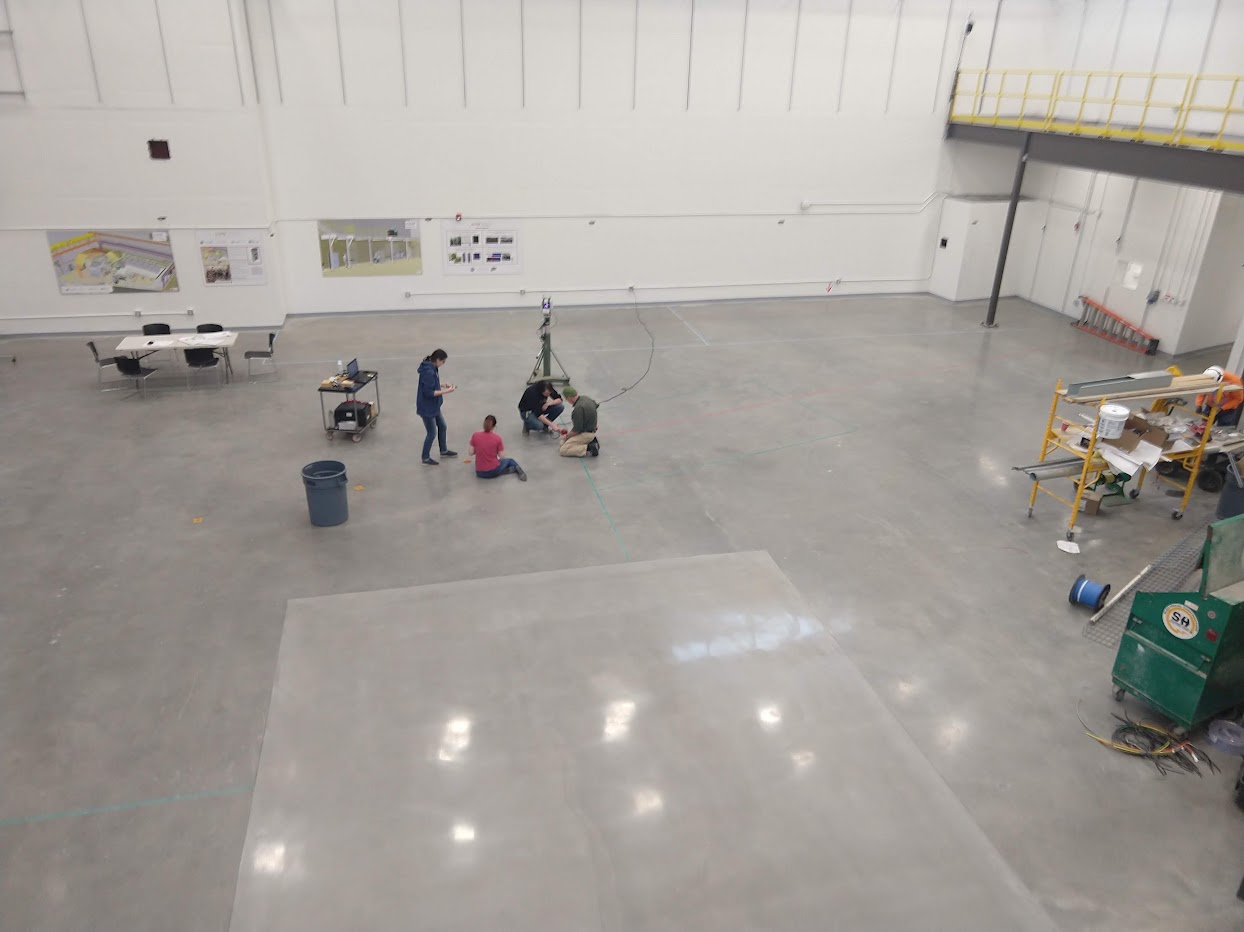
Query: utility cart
[(1182, 652), (351, 415), (1072, 448)]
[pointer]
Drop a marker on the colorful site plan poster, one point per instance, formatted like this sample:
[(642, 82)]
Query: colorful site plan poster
[(481, 247), (112, 261), (354, 248), (233, 257)]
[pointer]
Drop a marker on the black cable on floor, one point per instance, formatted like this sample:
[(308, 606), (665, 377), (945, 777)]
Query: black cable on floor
[(652, 349)]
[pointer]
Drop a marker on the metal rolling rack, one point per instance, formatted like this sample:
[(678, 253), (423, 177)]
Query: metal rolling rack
[(1091, 464), (349, 389)]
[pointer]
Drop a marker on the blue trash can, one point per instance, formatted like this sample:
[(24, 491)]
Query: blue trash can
[(326, 492)]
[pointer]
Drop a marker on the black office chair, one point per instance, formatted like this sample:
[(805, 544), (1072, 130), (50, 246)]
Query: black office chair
[(131, 368), (197, 360), (100, 364), (216, 328), (268, 354), (158, 330)]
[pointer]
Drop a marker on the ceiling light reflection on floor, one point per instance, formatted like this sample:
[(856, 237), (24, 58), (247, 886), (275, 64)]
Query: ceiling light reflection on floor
[(802, 759), (647, 802), (618, 717), (770, 716), (463, 833), (269, 858), (455, 739)]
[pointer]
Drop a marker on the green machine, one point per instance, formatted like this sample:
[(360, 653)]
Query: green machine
[(1183, 652)]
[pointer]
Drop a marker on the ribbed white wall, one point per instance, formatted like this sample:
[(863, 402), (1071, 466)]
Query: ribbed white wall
[(688, 130)]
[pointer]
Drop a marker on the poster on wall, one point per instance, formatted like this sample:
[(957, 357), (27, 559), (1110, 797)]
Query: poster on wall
[(112, 261), (355, 248), (233, 257), (481, 247)]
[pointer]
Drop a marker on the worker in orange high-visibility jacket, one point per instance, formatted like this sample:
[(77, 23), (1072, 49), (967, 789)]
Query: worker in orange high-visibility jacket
[(1229, 412)]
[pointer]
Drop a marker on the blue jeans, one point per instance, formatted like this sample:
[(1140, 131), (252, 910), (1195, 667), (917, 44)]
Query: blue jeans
[(532, 418), (507, 466), (435, 426)]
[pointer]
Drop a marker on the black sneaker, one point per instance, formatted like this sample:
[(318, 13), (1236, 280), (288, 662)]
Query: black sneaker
[(526, 430), (448, 454), (522, 476), (430, 462), (593, 448)]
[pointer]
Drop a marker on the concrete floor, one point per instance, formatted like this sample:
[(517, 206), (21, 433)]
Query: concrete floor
[(681, 745), (864, 443)]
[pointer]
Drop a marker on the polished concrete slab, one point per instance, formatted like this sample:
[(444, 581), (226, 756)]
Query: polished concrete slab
[(865, 443), (669, 745)]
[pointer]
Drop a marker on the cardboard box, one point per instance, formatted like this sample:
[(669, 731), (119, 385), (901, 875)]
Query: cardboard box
[(1090, 502), (1137, 431)]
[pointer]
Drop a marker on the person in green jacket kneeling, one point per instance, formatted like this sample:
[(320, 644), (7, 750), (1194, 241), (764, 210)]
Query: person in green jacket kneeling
[(580, 440)]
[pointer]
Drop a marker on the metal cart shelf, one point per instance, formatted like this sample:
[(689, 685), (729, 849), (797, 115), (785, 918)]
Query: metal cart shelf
[(349, 388)]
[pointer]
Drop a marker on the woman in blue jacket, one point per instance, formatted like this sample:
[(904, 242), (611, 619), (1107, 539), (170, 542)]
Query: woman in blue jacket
[(429, 403)]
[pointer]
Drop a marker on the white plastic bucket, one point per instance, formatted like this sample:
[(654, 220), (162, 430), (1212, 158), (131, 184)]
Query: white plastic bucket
[(1111, 420)]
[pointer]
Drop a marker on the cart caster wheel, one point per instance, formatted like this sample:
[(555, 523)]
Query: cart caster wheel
[(1179, 731), (1119, 694), (330, 435), (1030, 512), (1176, 515), (357, 438), (1134, 493)]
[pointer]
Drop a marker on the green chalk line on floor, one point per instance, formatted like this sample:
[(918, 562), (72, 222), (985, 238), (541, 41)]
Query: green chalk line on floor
[(218, 793), (608, 517)]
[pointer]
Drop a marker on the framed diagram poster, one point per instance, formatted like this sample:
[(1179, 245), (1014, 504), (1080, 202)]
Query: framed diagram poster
[(112, 261), (482, 247), (356, 248), (233, 257)]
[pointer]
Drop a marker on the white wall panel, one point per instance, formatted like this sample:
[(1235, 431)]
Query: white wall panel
[(716, 54), (551, 53), (1026, 36), (129, 57), (494, 54), (90, 168), (371, 50), (770, 50), (1216, 309), (201, 60), (1141, 32), (870, 55), (664, 47), (1225, 54), (433, 54), (922, 36), (979, 43), (819, 52), (1186, 36), (1102, 21), (305, 35), (609, 34)]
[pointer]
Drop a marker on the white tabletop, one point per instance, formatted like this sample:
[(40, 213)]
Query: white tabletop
[(220, 339)]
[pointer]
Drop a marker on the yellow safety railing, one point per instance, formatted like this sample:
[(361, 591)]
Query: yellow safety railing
[(1200, 111)]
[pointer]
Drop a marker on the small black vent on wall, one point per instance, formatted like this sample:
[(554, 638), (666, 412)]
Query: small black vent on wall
[(158, 148)]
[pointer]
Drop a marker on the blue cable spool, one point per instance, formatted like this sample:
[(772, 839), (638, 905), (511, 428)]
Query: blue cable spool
[(1086, 592)]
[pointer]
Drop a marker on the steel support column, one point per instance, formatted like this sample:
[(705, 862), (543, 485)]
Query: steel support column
[(1020, 165)]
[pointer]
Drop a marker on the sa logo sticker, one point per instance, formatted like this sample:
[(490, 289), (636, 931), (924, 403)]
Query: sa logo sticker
[(1180, 621)]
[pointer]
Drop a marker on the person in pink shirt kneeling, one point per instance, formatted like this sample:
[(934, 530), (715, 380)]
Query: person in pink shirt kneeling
[(487, 448)]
